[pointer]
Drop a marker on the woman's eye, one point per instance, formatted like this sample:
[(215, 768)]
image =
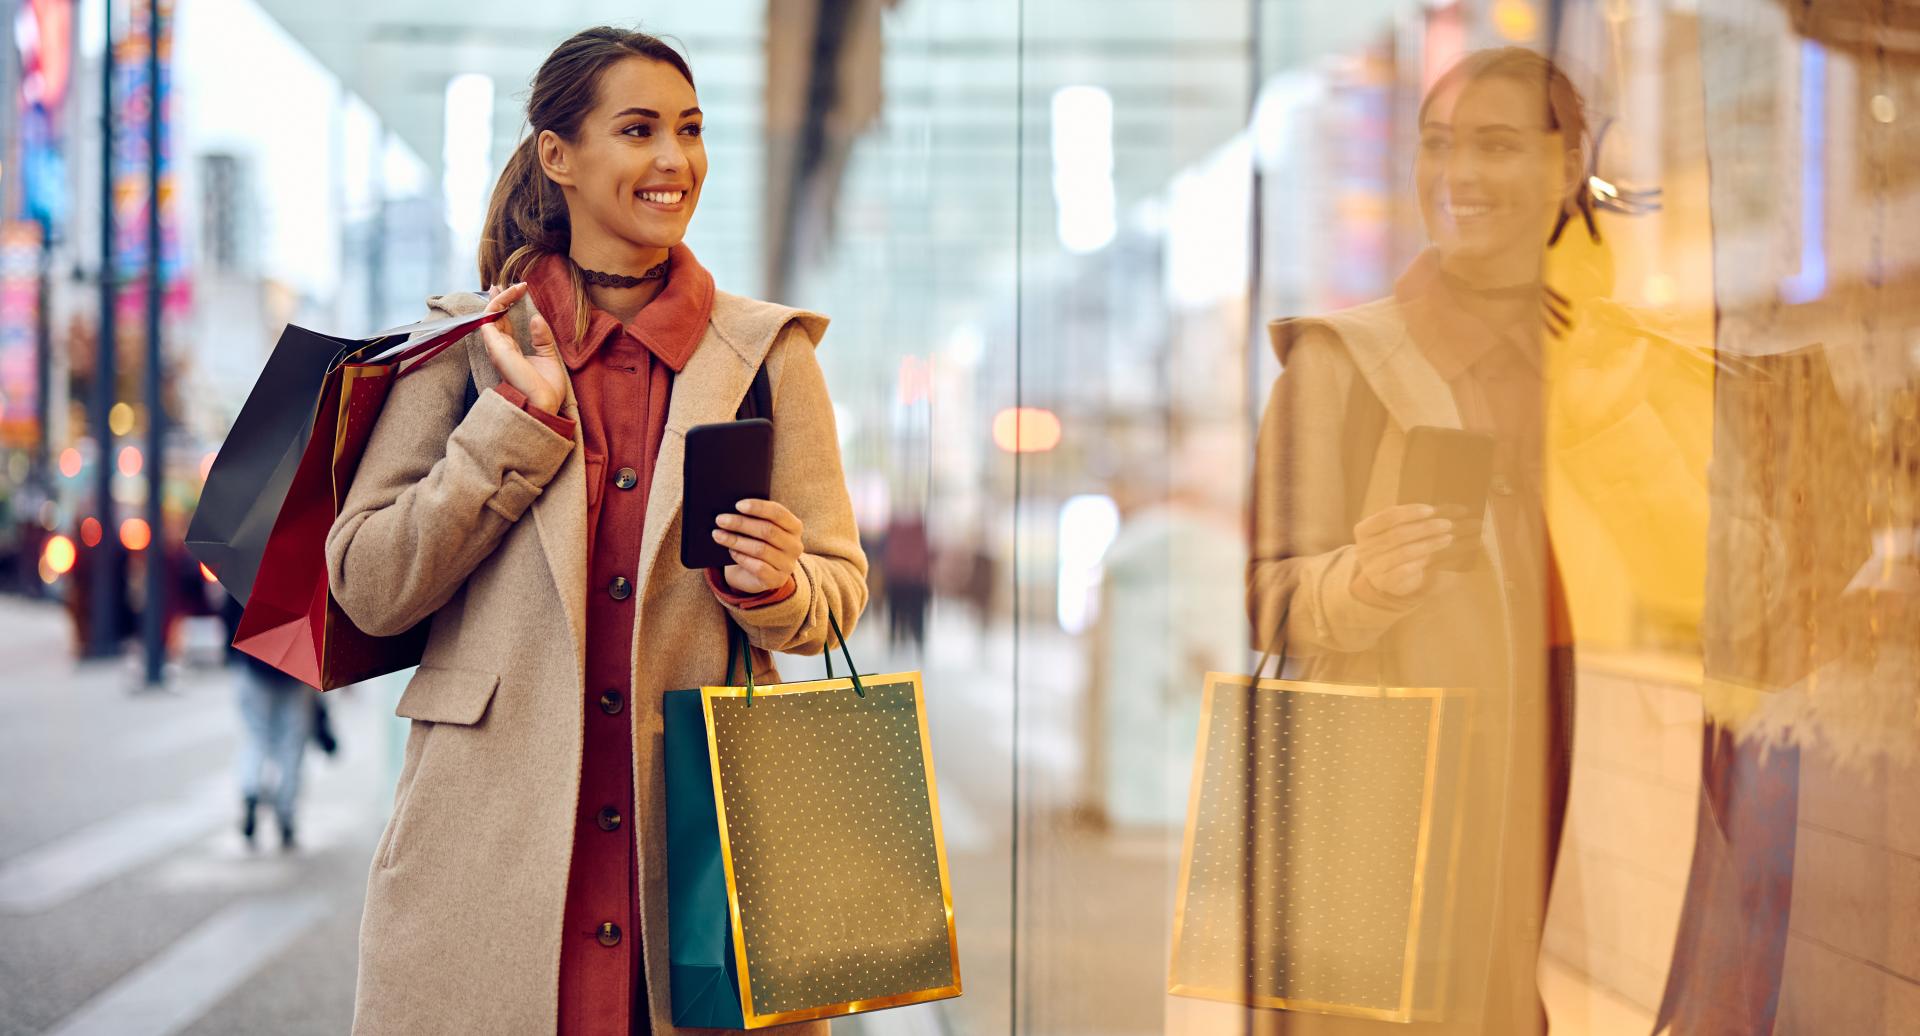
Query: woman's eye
[(692, 130), (645, 130)]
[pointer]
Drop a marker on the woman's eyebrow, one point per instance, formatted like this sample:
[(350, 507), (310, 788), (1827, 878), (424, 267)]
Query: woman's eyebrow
[(650, 113)]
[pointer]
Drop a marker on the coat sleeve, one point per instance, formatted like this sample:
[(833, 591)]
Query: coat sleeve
[(808, 479), (1301, 568), (434, 494)]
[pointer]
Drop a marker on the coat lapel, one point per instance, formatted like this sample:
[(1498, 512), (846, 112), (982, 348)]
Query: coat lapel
[(708, 389), (560, 511)]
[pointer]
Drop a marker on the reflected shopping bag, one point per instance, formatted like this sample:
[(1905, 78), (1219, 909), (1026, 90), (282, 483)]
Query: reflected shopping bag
[(275, 489), (1318, 866), (806, 871)]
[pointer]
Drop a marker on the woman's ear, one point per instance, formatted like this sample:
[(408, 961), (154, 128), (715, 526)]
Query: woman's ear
[(551, 152), (1574, 169)]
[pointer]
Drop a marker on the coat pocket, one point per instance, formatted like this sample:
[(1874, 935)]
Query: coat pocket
[(436, 696), (439, 694)]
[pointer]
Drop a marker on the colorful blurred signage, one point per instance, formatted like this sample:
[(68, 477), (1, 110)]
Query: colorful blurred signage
[(43, 30), (19, 318), (136, 95)]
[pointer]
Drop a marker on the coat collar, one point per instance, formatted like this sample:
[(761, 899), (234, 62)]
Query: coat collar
[(737, 337), (670, 326), (1375, 335)]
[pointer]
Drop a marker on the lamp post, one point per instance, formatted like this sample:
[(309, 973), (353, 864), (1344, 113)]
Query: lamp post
[(154, 615), (107, 587)]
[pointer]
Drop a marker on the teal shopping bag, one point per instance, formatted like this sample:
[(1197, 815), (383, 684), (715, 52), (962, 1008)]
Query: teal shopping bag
[(803, 832)]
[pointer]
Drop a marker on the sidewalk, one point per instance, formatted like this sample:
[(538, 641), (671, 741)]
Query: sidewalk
[(128, 903)]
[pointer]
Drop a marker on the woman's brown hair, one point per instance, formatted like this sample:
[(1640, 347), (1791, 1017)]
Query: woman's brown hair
[(1566, 113), (527, 217)]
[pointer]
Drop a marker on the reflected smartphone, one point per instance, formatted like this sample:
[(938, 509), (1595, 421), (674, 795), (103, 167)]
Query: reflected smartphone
[(725, 463), (1450, 469)]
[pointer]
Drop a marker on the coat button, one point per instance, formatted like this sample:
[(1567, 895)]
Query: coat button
[(611, 702), (626, 479), (609, 819), (609, 934), (620, 589)]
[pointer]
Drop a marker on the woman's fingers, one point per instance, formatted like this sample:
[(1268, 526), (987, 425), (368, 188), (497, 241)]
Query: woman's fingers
[(1402, 580), (1419, 550), (765, 573), (761, 529), (771, 511), (746, 545), (1380, 521)]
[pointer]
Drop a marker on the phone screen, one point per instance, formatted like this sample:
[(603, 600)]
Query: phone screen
[(725, 463), (1452, 470)]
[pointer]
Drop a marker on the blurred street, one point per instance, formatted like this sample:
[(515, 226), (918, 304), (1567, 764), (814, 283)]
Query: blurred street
[(130, 905)]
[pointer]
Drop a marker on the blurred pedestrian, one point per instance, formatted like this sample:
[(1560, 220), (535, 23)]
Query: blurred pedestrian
[(907, 562), (276, 720)]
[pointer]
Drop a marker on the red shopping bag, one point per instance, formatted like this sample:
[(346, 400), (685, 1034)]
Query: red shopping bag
[(291, 621)]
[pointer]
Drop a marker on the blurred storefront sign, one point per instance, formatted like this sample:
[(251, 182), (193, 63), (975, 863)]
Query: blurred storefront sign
[(136, 93), (20, 250)]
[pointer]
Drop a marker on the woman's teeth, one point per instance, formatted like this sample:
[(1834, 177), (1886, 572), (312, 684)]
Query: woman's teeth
[(663, 197), (1467, 211)]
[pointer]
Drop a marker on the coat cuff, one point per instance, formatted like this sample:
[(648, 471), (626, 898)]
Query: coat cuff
[(1343, 619), (561, 426), (728, 595), (503, 435)]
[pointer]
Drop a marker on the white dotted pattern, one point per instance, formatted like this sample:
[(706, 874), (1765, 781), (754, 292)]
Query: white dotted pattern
[(1300, 884), (830, 828)]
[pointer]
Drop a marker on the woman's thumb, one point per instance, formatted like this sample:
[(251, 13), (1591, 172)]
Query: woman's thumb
[(541, 334)]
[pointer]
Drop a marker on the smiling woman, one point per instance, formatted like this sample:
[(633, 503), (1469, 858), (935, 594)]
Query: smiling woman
[(520, 886)]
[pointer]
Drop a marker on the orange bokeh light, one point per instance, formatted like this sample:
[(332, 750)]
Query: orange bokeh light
[(90, 531), (59, 555), (70, 462), (207, 574), (129, 461), (134, 534), (1026, 429)]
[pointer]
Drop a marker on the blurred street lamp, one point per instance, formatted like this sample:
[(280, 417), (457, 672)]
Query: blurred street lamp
[(1026, 429), (135, 534)]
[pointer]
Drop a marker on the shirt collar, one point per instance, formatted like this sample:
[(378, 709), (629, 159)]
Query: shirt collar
[(670, 326)]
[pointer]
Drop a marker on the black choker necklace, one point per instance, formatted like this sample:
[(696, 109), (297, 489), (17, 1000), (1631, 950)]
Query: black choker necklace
[(621, 280)]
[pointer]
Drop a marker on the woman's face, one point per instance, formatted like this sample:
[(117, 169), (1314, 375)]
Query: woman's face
[(1490, 175), (634, 174)]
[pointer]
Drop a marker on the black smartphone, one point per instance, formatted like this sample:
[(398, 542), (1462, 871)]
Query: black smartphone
[(725, 463), (1450, 469)]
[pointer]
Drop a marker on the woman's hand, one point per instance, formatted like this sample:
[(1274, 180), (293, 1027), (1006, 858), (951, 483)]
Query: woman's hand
[(764, 539), (1396, 548), (541, 376)]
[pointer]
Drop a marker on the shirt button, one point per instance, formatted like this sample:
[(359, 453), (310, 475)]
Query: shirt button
[(612, 702), (609, 934), (609, 819), (620, 589), (1501, 487), (626, 479)]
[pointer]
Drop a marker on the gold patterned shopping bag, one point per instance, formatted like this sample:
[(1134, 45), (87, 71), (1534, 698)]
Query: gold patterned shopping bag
[(1322, 841), (807, 874)]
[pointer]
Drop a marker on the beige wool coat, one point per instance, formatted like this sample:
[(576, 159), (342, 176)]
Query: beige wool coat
[(478, 524)]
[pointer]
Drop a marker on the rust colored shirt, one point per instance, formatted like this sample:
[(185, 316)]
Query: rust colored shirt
[(622, 382)]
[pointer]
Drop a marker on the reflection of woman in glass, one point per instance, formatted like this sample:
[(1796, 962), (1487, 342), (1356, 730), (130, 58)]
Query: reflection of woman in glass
[(1376, 589), (520, 490)]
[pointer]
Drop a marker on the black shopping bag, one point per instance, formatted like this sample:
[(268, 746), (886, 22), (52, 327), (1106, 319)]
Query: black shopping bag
[(255, 466)]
